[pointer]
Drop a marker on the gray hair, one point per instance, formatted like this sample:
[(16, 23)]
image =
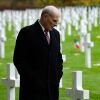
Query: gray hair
[(49, 10)]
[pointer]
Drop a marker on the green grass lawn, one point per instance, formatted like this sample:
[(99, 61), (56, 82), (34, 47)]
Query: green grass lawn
[(91, 76)]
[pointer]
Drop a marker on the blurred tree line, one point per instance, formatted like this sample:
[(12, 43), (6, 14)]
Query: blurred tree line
[(22, 4)]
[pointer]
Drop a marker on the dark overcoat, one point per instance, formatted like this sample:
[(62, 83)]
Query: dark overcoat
[(39, 64)]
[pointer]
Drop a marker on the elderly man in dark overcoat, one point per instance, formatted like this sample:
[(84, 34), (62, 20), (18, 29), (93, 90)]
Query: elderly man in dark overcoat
[(38, 58)]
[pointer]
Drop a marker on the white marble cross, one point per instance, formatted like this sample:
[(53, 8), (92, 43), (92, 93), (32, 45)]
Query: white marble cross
[(77, 92), (88, 44), (18, 22), (25, 18), (75, 18), (90, 19), (11, 82), (83, 32), (2, 41), (9, 20), (69, 29)]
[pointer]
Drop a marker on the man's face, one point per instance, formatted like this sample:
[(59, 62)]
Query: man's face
[(51, 21)]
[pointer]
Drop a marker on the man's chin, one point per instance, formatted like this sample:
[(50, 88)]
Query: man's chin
[(50, 29)]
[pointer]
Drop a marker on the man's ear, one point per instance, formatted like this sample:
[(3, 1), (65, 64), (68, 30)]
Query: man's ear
[(46, 16)]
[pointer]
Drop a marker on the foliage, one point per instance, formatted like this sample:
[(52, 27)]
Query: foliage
[(23, 4)]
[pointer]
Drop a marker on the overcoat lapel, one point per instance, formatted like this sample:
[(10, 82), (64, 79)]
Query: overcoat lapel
[(41, 34), (51, 40)]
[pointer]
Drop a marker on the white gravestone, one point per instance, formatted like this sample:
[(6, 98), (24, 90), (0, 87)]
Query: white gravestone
[(83, 27), (75, 18), (11, 82), (90, 19), (2, 42), (83, 32), (69, 30), (9, 19), (77, 92), (17, 22), (88, 44), (2, 34), (95, 16), (63, 30), (25, 18), (66, 16), (61, 27)]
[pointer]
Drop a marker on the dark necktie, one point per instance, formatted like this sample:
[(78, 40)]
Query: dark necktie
[(47, 36)]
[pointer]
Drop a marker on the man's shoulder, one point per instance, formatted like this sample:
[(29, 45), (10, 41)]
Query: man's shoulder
[(29, 27)]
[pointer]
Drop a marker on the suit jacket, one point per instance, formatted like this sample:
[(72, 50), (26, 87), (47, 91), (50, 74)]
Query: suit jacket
[(39, 64)]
